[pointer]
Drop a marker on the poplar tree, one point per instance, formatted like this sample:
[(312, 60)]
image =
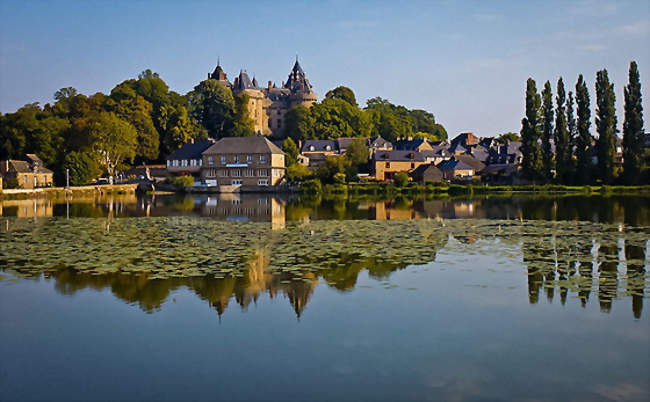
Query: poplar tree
[(633, 127), (583, 125), (531, 154), (547, 131), (561, 135), (605, 126), (572, 133)]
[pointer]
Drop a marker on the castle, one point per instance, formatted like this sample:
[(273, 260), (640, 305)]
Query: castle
[(268, 106)]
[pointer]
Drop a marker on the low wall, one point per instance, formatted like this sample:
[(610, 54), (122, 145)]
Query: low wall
[(242, 189), (70, 191)]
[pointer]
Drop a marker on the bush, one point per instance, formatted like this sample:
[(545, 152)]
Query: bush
[(82, 168), (180, 182), (297, 173), (339, 178), (401, 179), (312, 186)]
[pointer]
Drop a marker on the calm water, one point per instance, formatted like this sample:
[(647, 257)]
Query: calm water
[(265, 298)]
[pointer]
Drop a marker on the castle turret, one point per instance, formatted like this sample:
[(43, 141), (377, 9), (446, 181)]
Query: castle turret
[(298, 84), (219, 75)]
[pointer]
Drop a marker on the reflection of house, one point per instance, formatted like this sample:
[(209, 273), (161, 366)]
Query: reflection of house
[(29, 173), (34, 208), (245, 208), (187, 159), (248, 161), (386, 163)]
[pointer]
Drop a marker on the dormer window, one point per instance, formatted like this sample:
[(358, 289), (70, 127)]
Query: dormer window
[(312, 148), (328, 148)]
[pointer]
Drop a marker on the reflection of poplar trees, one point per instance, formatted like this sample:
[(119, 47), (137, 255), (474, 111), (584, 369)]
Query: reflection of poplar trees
[(635, 257), (608, 278), (585, 268)]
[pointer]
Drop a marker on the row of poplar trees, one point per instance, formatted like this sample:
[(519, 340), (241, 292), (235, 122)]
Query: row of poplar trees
[(557, 143)]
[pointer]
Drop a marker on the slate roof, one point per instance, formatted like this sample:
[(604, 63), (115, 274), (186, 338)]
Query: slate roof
[(462, 162), (319, 146), (378, 142), (243, 81), (241, 145), (399, 156), (190, 151), (408, 145), (344, 142), (420, 170), (17, 166)]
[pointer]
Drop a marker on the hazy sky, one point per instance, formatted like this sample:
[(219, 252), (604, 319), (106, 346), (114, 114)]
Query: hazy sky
[(466, 62)]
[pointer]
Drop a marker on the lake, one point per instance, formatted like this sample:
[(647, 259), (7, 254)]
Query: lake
[(257, 297)]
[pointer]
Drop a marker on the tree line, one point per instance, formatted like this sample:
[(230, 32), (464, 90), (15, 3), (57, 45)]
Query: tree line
[(557, 141), (142, 121)]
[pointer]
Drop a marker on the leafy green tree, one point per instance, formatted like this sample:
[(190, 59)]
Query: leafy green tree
[(138, 112), (299, 124), (424, 122), (152, 88), (332, 166), (561, 135), (65, 93), (82, 168), (389, 121), (633, 132), (297, 173), (357, 152), (291, 151), (572, 132), (547, 131), (401, 179), (114, 141), (212, 105), (509, 136), (532, 158), (177, 128), (605, 126), (343, 93), (335, 118), (242, 125), (583, 140)]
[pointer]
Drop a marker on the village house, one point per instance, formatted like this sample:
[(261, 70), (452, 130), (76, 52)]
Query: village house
[(386, 163), (242, 161), (29, 173), (317, 150), (378, 144), (418, 144), (427, 173), (461, 166), (188, 160)]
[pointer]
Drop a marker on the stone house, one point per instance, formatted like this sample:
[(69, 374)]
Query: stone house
[(317, 150), (425, 173), (29, 173), (385, 164), (417, 144), (242, 161), (461, 166)]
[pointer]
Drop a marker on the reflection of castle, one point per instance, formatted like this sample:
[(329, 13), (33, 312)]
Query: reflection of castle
[(268, 106)]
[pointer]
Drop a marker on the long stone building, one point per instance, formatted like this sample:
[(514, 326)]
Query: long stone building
[(269, 105)]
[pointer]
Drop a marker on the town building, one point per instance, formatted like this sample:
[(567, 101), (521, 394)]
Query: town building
[(268, 105), (28, 173), (317, 150), (427, 173), (386, 163), (461, 167), (242, 161), (188, 159)]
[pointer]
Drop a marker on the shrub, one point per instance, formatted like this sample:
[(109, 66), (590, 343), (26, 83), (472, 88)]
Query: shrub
[(401, 179), (180, 182), (312, 186), (339, 178), (297, 173)]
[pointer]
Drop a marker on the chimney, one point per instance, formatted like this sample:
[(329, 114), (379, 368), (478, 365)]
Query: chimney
[(7, 166), (191, 140), (411, 155), (270, 85)]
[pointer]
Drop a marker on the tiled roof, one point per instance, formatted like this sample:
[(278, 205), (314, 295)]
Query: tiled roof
[(240, 145), (319, 146), (190, 151), (401, 156)]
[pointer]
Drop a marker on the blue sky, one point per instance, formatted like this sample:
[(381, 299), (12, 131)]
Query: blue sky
[(466, 62)]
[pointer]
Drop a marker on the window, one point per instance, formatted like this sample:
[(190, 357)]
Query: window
[(277, 172), (262, 172), (210, 161), (169, 163), (387, 164), (236, 182), (312, 148), (249, 158), (328, 148), (262, 159), (223, 173), (200, 162), (278, 111), (236, 158), (263, 182), (184, 162), (412, 165), (236, 173), (223, 160), (250, 172), (192, 162), (175, 162)]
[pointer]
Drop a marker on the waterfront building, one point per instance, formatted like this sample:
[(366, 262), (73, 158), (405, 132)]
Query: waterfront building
[(242, 161), (28, 173), (188, 159)]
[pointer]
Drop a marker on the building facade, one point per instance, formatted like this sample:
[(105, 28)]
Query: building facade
[(242, 161), (267, 106), (29, 173), (188, 159)]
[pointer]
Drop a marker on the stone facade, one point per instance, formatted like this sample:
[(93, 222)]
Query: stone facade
[(268, 106), (26, 174)]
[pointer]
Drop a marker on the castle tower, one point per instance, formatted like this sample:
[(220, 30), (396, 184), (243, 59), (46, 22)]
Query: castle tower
[(219, 75), (301, 90)]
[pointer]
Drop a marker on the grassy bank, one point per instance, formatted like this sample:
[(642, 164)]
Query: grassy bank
[(389, 190)]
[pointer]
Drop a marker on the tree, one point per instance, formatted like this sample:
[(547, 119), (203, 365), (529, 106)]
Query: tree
[(65, 93), (509, 136), (299, 124), (401, 179), (605, 126), (177, 128), (242, 125), (571, 132), (82, 168), (335, 118), (389, 121), (343, 93), (583, 139), (296, 173), (113, 141), (357, 152), (633, 127), (291, 151), (531, 153), (212, 105), (547, 131), (138, 111), (561, 135)]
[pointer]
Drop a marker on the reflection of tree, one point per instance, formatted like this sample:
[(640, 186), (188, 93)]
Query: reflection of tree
[(585, 269), (635, 258), (608, 281)]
